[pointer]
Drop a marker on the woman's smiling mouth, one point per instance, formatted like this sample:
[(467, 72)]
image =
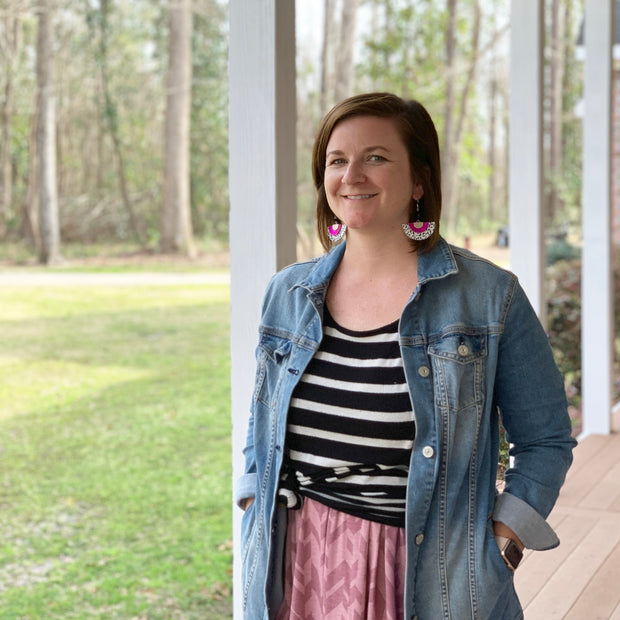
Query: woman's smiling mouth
[(359, 196)]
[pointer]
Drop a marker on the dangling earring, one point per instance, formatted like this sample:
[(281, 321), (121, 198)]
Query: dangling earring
[(336, 231), (418, 230)]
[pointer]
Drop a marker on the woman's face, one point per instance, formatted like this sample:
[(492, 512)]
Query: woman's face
[(368, 181)]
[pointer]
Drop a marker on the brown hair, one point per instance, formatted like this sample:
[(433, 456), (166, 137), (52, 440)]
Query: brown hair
[(419, 136)]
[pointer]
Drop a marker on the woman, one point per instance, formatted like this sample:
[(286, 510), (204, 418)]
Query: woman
[(382, 370)]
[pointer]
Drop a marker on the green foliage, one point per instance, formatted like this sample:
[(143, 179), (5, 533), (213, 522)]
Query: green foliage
[(560, 249), (209, 146), (566, 181), (403, 52), (504, 453), (564, 322), (113, 104), (115, 453), (110, 68)]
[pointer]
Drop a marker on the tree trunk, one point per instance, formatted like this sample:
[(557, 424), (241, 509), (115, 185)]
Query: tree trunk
[(30, 215), (12, 29), (493, 172), (555, 117), (176, 221), (46, 140), (470, 79), (448, 163), (497, 171), (326, 92), (344, 69), (455, 112), (110, 114), (6, 185)]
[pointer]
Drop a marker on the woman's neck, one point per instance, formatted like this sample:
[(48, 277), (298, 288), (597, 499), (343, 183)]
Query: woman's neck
[(372, 255), (372, 283)]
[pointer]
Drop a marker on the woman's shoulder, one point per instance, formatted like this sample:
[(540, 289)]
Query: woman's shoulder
[(309, 273), (295, 273), (469, 262)]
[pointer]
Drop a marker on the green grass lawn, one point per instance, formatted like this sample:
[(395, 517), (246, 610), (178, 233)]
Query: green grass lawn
[(115, 473)]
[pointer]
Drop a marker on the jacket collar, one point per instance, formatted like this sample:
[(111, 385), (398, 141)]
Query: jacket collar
[(436, 264)]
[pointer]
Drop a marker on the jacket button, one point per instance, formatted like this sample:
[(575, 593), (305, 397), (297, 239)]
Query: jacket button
[(463, 350), (419, 539), (423, 371), (428, 451)]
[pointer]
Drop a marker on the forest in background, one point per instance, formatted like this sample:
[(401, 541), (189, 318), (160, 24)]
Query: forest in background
[(113, 113)]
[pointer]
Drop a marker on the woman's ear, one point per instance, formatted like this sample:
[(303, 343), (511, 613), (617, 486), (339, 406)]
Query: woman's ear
[(418, 191)]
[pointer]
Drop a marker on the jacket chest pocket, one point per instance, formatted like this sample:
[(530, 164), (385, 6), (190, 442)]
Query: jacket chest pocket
[(459, 364), (272, 355)]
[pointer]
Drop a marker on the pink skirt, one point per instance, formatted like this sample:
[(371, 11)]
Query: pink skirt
[(338, 566)]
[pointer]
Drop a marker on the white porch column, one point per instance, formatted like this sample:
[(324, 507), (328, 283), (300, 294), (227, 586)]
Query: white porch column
[(597, 334), (262, 179), (527, 251)]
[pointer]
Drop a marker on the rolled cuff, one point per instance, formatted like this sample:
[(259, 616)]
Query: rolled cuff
[(245, 488), (532, 529)]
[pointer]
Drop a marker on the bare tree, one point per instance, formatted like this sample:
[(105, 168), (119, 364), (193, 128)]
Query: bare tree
[(111, 117), (493, 180), (556, 107), (30, 213), (456, 108), (176, 222), (344, 57), (328, 36), (499, 95), (46, 139), (9, 46), (449, 152)]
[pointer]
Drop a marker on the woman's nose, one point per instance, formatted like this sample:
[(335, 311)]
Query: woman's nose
[(353, 173)]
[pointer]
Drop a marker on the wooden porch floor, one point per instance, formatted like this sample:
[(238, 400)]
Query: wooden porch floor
[(580, 580)]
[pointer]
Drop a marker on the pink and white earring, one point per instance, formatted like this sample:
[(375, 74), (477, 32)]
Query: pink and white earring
[(336, 231), (418, 230)]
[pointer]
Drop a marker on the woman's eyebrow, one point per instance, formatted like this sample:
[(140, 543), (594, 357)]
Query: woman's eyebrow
[(366, 150)]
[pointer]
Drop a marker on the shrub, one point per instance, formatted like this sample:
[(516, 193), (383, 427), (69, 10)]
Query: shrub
[(564, 321), (561, 250)]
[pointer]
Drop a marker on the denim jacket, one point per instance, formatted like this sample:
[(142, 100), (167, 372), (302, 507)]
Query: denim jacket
[(472, 349)]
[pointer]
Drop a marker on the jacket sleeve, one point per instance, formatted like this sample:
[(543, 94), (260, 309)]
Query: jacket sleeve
[(245, 486), (530, 394)]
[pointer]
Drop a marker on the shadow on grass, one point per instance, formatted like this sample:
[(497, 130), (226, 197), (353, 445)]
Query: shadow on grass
[(116, 481)]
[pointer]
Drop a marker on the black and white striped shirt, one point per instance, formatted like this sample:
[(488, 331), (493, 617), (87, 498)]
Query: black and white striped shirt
[(351, 426)]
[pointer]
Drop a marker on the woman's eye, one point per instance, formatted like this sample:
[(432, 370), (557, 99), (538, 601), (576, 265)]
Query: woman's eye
[(336, 162), (377, 158)]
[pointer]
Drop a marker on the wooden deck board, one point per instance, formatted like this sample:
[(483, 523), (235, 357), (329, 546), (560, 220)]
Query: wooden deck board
[(604, 494), (580, 580), (539, 568), (600, 598), (589, 469)]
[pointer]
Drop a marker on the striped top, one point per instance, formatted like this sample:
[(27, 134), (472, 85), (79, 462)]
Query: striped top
[(351, 426)]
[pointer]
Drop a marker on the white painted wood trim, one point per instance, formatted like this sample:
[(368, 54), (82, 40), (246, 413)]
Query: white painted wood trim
[(597, 334), (527, 253), (262, 180)]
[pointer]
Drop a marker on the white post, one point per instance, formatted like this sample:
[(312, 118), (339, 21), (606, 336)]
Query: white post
[(527, 250), (597, 335), (262, 180)]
